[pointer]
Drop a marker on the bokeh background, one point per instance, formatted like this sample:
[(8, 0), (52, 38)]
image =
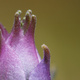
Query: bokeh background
[(58, 26)]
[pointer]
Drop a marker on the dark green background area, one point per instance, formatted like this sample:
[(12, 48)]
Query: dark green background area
[(58, 26)]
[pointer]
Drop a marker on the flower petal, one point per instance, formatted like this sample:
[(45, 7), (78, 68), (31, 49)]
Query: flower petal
[(4, 31), (26, 49), (23, 43), (10, 65), (42, 71)]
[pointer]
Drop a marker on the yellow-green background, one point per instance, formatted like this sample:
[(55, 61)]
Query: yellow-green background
[(58, 26)]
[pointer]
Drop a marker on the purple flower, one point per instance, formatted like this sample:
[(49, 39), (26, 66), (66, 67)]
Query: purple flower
[(19, 58)]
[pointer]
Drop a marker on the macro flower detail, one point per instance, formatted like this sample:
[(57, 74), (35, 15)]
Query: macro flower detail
[(19, 58)]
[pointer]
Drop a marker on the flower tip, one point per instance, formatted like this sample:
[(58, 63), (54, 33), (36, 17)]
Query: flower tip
[(27, 13), (27, 18), (30, 11), (34, 19), (33, 16), (46, 53), (17, 14), (45, 48), (19, 11)]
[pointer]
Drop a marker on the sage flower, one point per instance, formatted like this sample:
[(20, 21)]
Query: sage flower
[(19, 58)]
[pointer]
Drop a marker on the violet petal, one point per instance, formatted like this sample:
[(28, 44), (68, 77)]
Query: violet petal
[(42, 71), (24, 45), (10, 65)]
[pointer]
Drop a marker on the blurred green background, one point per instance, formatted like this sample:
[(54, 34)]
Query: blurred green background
[(58, 26)]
